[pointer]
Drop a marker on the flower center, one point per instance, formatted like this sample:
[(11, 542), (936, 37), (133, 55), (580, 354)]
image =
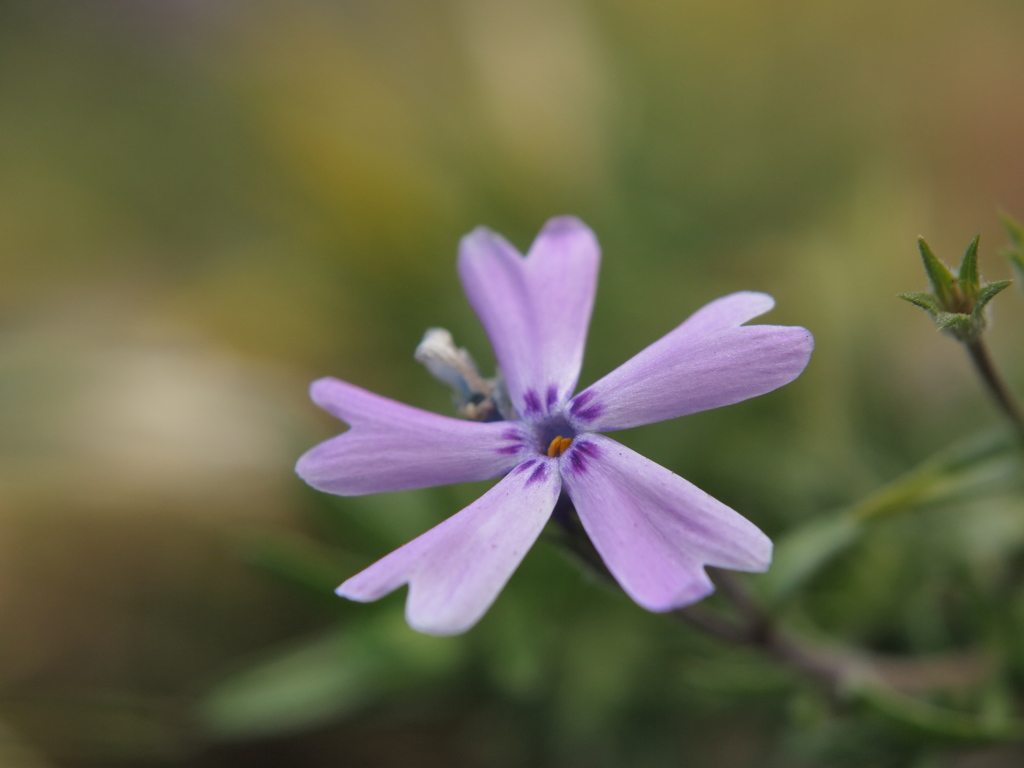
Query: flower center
[(559, 446)]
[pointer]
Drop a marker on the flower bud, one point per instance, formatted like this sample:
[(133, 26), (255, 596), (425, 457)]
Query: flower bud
[(956, 302)]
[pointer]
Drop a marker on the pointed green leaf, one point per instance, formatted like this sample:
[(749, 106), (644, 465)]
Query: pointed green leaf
[(320, 679), (965, 470), (804, 551), (942, 280), (925, 301), (968, 279), (987, 293), (971, 469), (311, 683)]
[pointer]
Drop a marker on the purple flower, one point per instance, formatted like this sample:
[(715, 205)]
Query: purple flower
[(653, 529)]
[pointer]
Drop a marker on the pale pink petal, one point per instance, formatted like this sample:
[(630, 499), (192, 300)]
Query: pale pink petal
[(707, 362), (653, 529), (393, 447), (535, 309), (726, 312), (456, 569)]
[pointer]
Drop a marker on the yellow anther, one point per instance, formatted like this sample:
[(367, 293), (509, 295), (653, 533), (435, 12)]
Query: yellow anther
[(559, 446)]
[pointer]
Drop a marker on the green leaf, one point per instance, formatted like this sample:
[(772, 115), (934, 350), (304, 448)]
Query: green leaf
[(940, 276), (306, 685), (967, 468), (973, 468), (326, 678), (925, 301), (803, 552), (932, 722), (968, 278), (987, 293)]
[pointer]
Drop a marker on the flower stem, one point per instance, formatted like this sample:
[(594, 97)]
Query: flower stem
[(752, 627), (756, 629), (843, 675), (996, 386)]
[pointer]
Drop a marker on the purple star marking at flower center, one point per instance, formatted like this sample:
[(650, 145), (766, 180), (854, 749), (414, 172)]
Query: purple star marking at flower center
[(583, 452), (584, 408), (653, 529)]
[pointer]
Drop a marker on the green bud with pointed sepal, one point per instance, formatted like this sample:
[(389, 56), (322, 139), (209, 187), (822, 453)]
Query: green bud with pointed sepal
[(925, 301), (968, 279), (942, 280), (957, 302)]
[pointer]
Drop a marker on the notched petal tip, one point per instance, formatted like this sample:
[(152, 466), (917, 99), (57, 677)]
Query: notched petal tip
[(759, 303), (302, 467), (444, 622), (565, 235), (728, 311), (430, 623), (702, 587), (756, 300), (535, 309), (427, 622), (330, 394), (456, 570), (390, 446), (665, 531), (346, 592), (439, 631), (693, 592), (483, 240), (320, 388), (709, 361), (318, 469), (563, 225)]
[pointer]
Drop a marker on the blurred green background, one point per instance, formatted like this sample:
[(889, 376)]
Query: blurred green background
[(206, 205)]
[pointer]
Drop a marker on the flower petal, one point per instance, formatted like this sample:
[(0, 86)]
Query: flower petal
[(729, 311), (395, 447), (707, 362), (654, 530), (535, 309), (456, 569)]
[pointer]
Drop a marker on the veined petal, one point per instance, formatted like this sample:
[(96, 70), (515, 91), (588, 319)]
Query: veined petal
[(395, 447), (707, 362), (654, 530), (535, 309), (456, 569), (729, 311)]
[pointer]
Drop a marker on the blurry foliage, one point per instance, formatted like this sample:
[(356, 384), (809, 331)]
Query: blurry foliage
[(203, 206)]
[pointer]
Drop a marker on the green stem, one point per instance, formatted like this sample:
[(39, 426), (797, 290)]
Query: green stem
[(996, 386), (843, 676), (757, 629), (752, 626)]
